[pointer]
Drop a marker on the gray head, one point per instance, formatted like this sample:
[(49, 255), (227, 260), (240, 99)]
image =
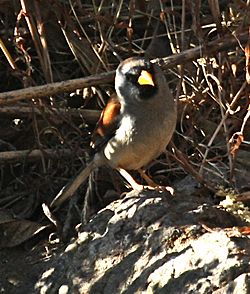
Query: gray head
[(138, 79)]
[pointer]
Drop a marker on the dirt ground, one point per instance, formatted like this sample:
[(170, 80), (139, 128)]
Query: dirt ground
[(21, 267)]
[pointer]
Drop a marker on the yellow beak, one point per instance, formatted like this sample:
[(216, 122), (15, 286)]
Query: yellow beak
[(145, 78)]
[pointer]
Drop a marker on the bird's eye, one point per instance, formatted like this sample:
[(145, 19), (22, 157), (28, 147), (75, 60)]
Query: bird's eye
[(132, 77)]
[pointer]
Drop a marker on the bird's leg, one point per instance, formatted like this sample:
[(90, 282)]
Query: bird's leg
[(130, 180), (148, 180), (152, 185)]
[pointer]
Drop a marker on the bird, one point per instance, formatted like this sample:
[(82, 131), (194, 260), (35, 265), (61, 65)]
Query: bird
[(135, 126)]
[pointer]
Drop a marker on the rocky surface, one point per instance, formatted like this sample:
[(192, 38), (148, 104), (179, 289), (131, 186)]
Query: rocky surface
[(154, 243)]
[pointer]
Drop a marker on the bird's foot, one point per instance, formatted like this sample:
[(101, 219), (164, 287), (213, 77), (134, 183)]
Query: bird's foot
[(151, 184), (160, 189)]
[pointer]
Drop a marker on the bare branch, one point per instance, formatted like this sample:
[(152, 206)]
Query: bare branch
[(31, 155), (54, 88), (66, 86), (91, 116)]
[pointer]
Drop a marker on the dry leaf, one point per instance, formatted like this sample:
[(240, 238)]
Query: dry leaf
[(15, 231)]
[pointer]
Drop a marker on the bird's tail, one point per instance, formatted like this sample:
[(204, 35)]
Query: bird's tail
[(68, 190)]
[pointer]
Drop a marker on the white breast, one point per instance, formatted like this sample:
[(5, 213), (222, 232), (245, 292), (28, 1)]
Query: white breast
[(135, 143), (119, 147)]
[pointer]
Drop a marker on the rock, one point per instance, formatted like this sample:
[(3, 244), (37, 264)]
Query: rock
[(153, 243)]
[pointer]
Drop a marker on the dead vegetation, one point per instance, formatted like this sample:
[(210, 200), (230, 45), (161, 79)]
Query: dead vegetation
[(56, 73)]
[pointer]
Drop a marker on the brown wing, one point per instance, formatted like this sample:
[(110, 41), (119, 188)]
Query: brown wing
[(107, 124)]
